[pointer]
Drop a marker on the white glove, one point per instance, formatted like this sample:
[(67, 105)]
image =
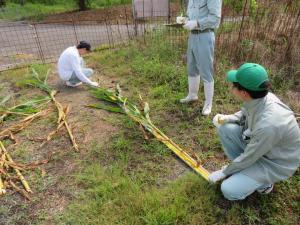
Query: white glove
[(95, 84), (181, 19), (220, 119), (191, 25), (216, 176)]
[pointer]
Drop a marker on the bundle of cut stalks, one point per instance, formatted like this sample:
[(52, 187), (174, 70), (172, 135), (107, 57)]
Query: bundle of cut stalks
[(117, 103), (11, 176), (35, 81)]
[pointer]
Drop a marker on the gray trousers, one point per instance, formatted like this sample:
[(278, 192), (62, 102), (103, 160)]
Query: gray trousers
[(238, 186), (200, 55), (74, 79)]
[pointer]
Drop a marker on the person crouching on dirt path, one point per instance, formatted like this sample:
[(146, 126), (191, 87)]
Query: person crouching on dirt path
[(71, 66), (262, 140)]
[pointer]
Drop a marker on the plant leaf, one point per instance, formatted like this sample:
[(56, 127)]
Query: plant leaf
[(115, 109)]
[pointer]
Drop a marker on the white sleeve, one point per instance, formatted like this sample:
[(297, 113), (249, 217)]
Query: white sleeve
[(78, 71), (236, 117)]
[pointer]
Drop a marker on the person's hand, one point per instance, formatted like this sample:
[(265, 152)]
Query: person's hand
[(216, 176), (220, 119), (95, 84), (191, 25)]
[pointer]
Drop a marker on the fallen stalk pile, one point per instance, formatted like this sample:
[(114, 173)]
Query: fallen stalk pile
[(62, 112), (8, 167), (120, 104), (11, 176)]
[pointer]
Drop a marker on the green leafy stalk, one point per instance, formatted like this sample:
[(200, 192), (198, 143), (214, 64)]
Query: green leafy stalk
[(117, 101), (35, 81), (25, 108)]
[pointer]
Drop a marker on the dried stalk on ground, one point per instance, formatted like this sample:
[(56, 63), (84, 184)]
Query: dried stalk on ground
[(118, 102), (2, 186), (7, 164), (15, 128), (21, 177), (37, 82)]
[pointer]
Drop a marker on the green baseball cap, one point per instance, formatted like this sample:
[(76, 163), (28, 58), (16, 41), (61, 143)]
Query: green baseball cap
[(249, 76)]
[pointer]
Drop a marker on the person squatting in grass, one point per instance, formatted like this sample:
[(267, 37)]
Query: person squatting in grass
[(71, 66), (262, 140), (203, 18)]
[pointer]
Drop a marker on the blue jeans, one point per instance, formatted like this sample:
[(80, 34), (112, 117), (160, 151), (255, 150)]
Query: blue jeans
[(238, 186), (87, 72)]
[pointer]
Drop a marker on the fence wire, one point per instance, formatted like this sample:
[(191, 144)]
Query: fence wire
[(267, 34)]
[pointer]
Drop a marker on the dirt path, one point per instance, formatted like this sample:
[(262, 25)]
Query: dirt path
[(53, 192)]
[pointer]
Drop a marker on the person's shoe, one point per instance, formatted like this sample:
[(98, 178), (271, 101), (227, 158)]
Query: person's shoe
[(266, 190), (69, 84), (209, 94), (206, 109), (189, 99), (193, 90)]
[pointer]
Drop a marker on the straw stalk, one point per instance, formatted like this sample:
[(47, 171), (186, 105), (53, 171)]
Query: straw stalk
[(35, 81), (115, 102)]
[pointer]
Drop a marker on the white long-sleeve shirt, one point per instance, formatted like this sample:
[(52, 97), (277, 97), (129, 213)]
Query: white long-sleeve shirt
[(70, 62)]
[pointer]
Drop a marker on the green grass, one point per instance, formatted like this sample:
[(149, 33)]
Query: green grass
[(37, 11), (130, 180), (18, 75), (133, 181), (107, 3)]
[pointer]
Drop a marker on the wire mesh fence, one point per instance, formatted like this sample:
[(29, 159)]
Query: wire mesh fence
[(268, 34)]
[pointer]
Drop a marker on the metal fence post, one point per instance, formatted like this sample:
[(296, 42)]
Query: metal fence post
[(38, 43), (127, 24), (108, 37), (74, 29), (242, 23)]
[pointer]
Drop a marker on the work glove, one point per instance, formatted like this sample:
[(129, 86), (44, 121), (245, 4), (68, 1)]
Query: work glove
[(181, 19), (220, 119), (216, 176), (191, 25), (95, 84)]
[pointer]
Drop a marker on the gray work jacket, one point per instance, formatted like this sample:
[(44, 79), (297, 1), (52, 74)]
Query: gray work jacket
[(206, 12), (273, 148)]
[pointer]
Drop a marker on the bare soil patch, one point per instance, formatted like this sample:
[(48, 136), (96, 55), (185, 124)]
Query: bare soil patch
[(53, 191)]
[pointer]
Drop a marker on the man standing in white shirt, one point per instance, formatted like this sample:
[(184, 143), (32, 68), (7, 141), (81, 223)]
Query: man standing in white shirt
[(71, 65)]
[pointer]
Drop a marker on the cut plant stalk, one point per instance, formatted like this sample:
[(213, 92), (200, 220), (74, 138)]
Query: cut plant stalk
[(2, 187), (21, 177), (6, 133), (24, 109), (37, 82), (6, 163), (22, 192), (143, 118)]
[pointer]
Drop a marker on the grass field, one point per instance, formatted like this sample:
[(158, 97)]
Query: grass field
[(121, 178), (138, 182), (37, 11)]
